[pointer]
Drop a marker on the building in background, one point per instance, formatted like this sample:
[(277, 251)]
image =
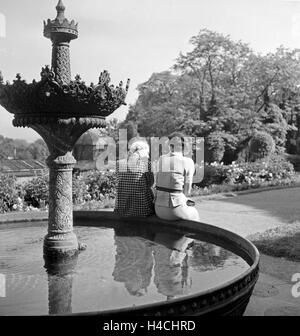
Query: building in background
[(88, 148), (23, 170)]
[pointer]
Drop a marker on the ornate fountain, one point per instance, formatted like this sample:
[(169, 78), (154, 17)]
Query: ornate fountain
[(61, 110)]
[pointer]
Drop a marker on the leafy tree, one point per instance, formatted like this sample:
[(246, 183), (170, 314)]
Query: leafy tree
[(22, 150), (222, 87), (38, 150), (214, 147)]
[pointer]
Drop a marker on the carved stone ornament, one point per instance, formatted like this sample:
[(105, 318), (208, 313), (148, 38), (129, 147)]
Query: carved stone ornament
[(49, 101), (56, 97)]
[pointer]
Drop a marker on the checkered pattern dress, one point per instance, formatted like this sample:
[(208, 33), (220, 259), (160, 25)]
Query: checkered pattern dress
[(134, 182)]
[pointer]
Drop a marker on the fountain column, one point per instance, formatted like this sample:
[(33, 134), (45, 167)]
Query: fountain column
[(60, 238), (60, 241)]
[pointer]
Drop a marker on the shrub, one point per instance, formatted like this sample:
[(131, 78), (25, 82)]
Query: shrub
[(215, 147), (249, 174), (10, 193), (101, 184), (214, 173), (91, 187), (80, 189), (261, 145), (37, 191), (231, 144), (105, 203), (256, 173)]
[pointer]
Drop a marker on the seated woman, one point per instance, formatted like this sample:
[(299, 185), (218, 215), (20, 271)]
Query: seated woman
[(174, 179), (134, 182)]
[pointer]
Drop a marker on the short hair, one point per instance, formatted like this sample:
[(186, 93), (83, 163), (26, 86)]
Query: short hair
[(139, 145), (177, 135)]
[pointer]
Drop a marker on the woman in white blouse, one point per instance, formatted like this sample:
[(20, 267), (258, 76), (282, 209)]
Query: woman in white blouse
[(174, 177)]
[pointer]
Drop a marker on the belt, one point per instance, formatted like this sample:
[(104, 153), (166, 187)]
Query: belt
[(168, 190)]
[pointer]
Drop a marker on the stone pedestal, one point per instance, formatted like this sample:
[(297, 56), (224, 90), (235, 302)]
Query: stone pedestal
[(60, 240)]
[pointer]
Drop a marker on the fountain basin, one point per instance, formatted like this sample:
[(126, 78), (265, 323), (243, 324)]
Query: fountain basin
[(228, 299), (132, 266)]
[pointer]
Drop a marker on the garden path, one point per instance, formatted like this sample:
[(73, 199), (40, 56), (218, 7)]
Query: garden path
[(257, 212), (251, 213)]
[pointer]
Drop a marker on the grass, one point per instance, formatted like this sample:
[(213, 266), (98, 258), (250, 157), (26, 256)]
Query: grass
[(282, 241)]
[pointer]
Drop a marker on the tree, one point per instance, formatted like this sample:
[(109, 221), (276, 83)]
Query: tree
[(39, 150), (20, 149), (222, 87)]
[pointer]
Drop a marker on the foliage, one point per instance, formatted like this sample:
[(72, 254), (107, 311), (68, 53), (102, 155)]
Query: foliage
[(37, 191), (214, 173), (261, 145), (95, 190), (215, 147), (101, 184), (222, 86), (22, 150), (88, 186), (105, 203), (248, 173), (38, 150), (10, 192), (80, 192)]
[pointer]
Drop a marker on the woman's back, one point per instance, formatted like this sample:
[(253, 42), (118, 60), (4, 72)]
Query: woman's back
[(172, 169), (134, 181)]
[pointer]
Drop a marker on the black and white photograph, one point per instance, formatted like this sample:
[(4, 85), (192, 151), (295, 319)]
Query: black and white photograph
[(149, 162)]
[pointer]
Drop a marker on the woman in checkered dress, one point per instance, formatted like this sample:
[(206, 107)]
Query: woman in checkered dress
[(134, 182)]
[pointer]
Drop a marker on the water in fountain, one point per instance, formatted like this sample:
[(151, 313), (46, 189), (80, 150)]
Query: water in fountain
[(124, 266)]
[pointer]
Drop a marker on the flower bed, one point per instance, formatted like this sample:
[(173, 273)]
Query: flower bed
[(218, 178), (97, 190), (90, 190)]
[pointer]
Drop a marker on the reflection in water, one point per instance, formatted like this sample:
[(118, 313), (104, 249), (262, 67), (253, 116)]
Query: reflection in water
[(60, 280), (135, 256), (170, 255), (207, 257), (171, 266), (134, 260), (133, 265)]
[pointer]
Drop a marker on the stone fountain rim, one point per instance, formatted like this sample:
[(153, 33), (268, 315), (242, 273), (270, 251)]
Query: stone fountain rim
[(248, 247)]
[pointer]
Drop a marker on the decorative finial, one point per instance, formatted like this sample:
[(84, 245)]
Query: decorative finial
[(60, 10)]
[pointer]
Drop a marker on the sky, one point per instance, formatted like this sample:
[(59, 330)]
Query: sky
[(133, 38)]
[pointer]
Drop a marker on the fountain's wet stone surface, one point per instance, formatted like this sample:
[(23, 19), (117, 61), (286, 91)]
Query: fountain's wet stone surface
[(123, 266)]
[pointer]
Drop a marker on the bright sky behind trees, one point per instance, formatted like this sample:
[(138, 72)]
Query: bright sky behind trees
[(134, 38)]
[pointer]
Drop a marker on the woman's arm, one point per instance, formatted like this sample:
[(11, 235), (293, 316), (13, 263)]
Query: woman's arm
[(188, 178)]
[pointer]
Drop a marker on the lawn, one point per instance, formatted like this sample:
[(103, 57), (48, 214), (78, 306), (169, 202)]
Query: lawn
[(270, 219)]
